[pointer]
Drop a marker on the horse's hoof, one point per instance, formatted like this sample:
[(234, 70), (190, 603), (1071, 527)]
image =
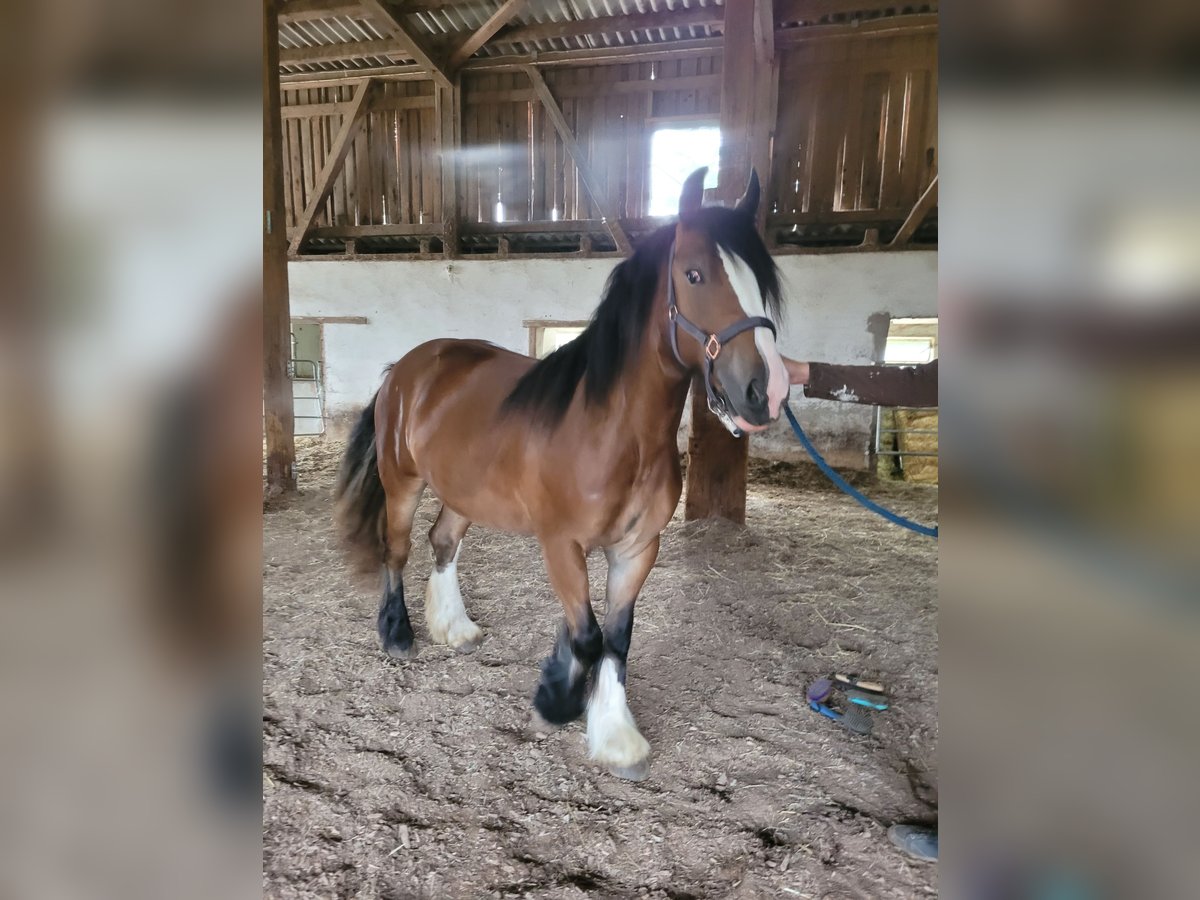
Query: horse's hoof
[(636, 772), (539, 725), (395, 651), (471, 644)]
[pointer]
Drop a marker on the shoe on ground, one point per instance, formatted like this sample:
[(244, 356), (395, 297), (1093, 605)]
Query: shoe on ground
[(916, 841)]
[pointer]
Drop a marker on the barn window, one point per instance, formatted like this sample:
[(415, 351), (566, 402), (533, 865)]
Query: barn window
[(675, 152), (545, 337), (911, 342)]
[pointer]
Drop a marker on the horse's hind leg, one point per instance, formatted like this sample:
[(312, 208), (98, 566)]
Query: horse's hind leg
[(395, 631), (445, 614)]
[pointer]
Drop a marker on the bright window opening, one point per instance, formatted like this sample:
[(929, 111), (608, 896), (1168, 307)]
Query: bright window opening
[(675, 153), (545, 338), (911, 342)]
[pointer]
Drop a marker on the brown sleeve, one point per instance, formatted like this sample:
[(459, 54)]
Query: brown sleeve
[(877, 385)]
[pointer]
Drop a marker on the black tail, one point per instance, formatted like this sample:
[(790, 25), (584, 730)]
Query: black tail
[(361, 502)]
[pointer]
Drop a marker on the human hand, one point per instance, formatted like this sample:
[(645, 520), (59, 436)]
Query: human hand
[(797, 371)]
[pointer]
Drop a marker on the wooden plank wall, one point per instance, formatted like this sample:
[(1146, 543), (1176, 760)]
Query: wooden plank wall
[(391, 175), (857, 129), (514, 156), (856, 138)]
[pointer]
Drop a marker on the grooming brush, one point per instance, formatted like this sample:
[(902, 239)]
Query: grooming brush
[(871, 701), (819, 690), (852, 683), (856, 718)]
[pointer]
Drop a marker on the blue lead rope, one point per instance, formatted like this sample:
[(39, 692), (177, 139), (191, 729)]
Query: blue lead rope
[(847, 488)]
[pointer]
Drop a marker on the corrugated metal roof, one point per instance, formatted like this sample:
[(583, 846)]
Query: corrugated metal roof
[(450, 24), (445, 24)]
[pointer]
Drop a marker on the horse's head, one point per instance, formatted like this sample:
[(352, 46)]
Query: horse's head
[(723, 275)]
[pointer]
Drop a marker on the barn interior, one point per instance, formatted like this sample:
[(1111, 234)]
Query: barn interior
[(475, 168)]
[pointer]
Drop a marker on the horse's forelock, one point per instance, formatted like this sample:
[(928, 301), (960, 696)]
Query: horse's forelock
[(734, 232)]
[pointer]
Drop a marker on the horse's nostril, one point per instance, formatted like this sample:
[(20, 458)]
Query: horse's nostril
[(755, 393)]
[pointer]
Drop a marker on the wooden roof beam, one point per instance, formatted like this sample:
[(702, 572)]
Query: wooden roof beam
[(389, 20), (485, 33), (309, 10), (764, 31), (582, 165), (926, 202), (387, 48), (885, 27), (675, 18), (888, 26)]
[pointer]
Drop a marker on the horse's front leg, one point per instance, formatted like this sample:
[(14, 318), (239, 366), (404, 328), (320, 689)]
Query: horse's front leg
[(613, 737), (561, 693)]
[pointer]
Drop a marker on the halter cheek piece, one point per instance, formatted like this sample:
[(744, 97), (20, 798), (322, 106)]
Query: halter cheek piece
[(712, 344)]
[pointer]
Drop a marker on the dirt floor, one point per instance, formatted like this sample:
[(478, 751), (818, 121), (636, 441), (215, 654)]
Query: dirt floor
[(424, 779)]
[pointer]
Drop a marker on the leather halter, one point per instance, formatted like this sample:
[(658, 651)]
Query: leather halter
[(712, 343)]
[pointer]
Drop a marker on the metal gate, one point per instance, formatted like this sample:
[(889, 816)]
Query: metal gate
[(878, 446), (308, 396)]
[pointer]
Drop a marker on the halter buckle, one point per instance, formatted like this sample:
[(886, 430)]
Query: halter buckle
[(672, 312), (712, 347)]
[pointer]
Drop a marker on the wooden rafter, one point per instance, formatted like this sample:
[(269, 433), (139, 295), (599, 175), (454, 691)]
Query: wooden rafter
[(786, 10), (808, 10), (926, 202), (375, 104), (386, 48), (581, 163), (485, 32), (351, 122), (308, 10), (598, 56), (890, 26), (491, 30), (764, 31), (675, 18), (389, 20)]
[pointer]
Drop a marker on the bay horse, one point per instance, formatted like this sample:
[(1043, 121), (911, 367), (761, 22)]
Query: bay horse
[(578, 449)]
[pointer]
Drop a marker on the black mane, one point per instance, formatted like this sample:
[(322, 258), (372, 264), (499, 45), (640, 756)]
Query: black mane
[(600, 354)]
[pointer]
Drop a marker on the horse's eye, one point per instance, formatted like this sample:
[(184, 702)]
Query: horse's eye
[(694, 276)]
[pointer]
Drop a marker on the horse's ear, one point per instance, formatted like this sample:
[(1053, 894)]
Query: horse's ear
[(749, 202), (692, 196)]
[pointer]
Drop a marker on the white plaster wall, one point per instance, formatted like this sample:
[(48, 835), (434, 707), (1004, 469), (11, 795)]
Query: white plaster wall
[(829, 299)]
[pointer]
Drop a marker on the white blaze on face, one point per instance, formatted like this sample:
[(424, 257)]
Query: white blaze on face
[(745, 285)]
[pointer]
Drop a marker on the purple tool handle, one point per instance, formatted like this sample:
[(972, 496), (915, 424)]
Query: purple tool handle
[(819, 690)]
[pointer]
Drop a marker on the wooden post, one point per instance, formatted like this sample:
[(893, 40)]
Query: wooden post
[(448, 106), (278, 424), (717, 461)]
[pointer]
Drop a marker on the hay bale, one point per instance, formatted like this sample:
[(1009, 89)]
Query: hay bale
[(922, 469)]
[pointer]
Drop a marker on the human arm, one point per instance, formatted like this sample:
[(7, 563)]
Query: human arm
[(915, 386)]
